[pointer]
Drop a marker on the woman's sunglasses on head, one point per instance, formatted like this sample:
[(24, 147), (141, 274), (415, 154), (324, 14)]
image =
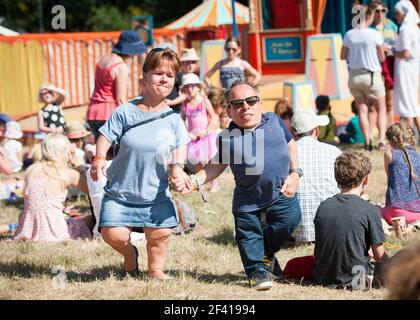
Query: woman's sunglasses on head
[(239, 103)]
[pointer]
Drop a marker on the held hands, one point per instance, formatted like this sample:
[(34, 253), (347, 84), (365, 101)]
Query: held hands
[(290, 185), (181, 182)]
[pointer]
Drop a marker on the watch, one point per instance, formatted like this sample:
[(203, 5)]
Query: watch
[(297, 170)]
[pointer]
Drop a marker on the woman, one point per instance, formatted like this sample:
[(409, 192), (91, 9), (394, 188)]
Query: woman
[(232, 67), (407, 63), (111, 79), (362, 47), (137, 194), (389, 31)]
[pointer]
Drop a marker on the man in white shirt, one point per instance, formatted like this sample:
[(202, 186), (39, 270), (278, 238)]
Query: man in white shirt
[(316, 160)]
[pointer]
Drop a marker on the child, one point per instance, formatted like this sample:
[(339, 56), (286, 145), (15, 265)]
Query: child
[(346, 226), (12, 147), (50, 117), (353, 133), (215, 96), (232, 68), (326, 133), (201, 122), (285, 111), (402, 166), (45, 190), (346, 229), (76, 133), (189, 64), (224, 120)]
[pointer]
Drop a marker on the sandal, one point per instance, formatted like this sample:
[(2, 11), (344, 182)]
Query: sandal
[(136, 272)]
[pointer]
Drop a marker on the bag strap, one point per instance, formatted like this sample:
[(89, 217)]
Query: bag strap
[(161, 116)]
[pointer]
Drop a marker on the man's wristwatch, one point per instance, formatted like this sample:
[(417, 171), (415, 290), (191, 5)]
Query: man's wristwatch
[(297, 170)]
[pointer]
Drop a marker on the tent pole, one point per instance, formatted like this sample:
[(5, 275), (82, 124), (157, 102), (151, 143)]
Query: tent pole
[(235, 26)]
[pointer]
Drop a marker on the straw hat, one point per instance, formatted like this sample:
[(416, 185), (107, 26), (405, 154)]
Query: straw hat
[(46, 87), (191, 78), (189, 54), (76, 130), (13, 130)]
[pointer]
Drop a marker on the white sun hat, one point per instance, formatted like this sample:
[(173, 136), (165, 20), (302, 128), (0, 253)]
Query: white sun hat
[(189, 54), (191, 78), (13, 130)]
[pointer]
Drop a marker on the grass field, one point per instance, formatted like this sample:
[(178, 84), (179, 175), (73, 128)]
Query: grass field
[(205, 263)]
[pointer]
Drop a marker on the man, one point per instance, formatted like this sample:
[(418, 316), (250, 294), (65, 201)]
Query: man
[(263, 157), (317, 162)]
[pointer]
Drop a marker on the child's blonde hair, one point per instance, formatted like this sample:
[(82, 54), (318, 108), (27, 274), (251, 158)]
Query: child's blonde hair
[(401, 136)]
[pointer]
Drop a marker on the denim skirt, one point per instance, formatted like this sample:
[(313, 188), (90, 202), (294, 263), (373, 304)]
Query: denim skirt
[(117, 214)]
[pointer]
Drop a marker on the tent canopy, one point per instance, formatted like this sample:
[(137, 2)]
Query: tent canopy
[(211, 13), (7, 32)]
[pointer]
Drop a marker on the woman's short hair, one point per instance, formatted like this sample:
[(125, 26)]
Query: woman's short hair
[(155, 57), (351, 168)]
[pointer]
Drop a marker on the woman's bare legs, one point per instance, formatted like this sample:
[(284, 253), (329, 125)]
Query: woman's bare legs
[(119, 239), (380, 106), (390, 106), (373, 118), (157, 245)]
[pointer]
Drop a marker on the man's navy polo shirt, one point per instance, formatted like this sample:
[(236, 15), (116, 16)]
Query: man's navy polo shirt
[(259, 160)]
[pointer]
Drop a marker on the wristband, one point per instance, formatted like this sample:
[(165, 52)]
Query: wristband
[(98, 158), (196, 182)]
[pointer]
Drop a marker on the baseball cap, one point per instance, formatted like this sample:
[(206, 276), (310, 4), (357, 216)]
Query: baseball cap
[(304, 120)]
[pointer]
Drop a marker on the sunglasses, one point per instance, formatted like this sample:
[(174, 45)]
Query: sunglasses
[(231, 49), (189, 62), (380, 10), (251, 101)]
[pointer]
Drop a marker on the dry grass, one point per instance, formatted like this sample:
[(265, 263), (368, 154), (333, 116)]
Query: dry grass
[(204, 263)]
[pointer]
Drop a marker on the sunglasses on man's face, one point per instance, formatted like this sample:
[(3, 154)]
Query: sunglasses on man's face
[(239, 103), (231, 49)]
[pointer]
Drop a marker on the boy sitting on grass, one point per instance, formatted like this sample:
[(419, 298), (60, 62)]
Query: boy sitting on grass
[(346, 228)]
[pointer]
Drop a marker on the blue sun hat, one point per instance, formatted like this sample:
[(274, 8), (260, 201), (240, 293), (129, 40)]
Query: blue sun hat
[(129, 43)]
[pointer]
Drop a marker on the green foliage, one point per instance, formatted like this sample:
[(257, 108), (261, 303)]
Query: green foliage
[(91, 15), (108, 18)]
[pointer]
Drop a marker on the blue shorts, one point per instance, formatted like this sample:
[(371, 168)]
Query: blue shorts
[(117, 214)]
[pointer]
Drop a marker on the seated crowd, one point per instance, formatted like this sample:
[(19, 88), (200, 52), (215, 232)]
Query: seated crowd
[(346, 230)]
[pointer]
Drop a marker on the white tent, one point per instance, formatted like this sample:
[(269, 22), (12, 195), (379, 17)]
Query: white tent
[(7, 32)]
